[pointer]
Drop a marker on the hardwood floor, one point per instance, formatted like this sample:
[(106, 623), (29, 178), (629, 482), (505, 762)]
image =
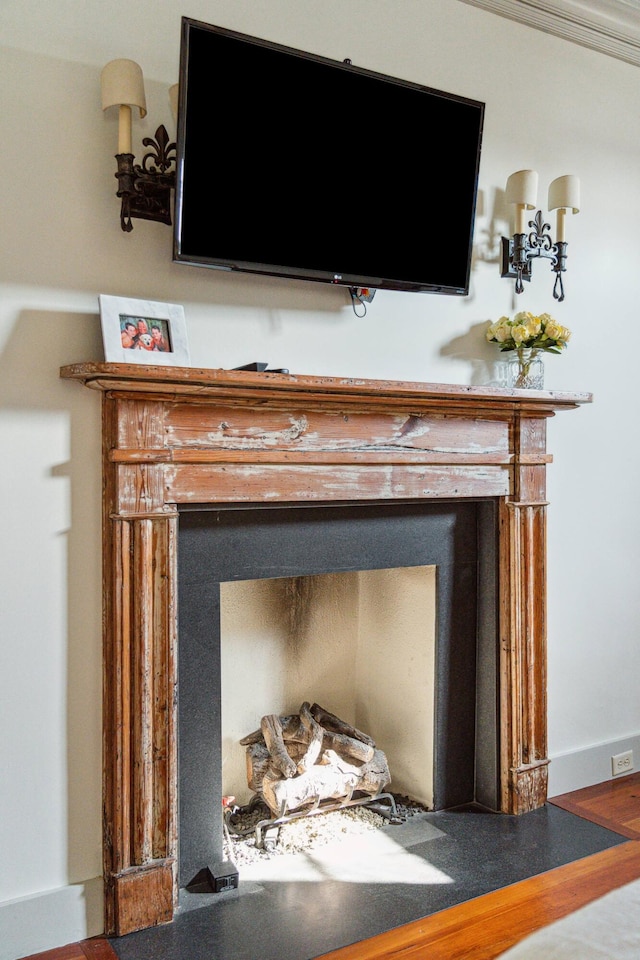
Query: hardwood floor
[(482, 928), (97, 948), (614, 804)]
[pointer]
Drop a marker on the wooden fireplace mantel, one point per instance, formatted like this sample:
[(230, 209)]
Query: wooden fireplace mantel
[(176, 436)]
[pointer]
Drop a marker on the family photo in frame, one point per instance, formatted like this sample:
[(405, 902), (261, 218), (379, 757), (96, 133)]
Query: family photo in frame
[(143, 331)]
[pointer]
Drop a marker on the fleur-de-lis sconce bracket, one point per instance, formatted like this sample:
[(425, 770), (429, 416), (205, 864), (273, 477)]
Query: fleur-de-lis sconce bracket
[(145, 188), (519, 251)]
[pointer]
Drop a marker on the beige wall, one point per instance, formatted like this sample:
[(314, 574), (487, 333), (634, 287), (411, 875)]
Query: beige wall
[(550, 105)]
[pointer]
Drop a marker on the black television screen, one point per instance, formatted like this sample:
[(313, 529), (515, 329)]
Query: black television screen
[(294, 165)]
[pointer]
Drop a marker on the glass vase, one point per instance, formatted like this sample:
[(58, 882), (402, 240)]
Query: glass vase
[(525, 369)]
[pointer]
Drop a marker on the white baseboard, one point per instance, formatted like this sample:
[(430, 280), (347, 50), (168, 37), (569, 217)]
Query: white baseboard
[(51, 919), (584, 768)]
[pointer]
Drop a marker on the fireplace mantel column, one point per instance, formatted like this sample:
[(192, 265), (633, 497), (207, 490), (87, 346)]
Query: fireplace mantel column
[(140, 774), (523, 627)]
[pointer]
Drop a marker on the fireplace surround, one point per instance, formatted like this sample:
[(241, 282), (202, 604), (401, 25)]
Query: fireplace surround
[(178, 437), (442, 717)]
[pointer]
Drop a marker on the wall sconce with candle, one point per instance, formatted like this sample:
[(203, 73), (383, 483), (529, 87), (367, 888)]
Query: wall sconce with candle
[(519, 251), (145, 189)]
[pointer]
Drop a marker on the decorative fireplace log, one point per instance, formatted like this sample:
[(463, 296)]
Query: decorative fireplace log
[(343, 732), (315, 736), (274, 742), (331, 779), (336, 733), (294, 760)]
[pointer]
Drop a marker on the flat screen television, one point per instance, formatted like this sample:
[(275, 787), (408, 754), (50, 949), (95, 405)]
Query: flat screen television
[(293, 165)]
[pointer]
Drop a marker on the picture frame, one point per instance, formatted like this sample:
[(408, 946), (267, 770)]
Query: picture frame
[(143, 331)]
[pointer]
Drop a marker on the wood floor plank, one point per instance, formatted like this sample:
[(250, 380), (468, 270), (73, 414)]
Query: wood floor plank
[(98, 949), (614, 804), (72, 951)]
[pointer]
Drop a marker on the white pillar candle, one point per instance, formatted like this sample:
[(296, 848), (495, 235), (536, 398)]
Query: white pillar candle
[(124, 128), (561, 214)]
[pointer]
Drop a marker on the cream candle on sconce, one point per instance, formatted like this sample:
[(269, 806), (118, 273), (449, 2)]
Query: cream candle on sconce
[(124, 128), (560, 225)]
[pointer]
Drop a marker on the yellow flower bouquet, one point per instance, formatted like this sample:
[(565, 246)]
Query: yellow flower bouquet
[(525, 337), (527, 330)]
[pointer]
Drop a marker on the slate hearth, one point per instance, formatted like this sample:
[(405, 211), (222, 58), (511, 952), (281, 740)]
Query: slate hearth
[(455, 856)]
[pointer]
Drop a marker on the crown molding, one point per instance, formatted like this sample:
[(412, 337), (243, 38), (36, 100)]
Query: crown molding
[(611, 27)]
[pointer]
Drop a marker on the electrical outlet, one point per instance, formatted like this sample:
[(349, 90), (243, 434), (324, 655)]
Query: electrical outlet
[(622, 763)]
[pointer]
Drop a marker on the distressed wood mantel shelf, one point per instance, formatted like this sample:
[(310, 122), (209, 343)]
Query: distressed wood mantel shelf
[(178, 436)]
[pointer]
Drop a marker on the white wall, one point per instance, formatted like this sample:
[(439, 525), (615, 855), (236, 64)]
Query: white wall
[(551, 105)]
